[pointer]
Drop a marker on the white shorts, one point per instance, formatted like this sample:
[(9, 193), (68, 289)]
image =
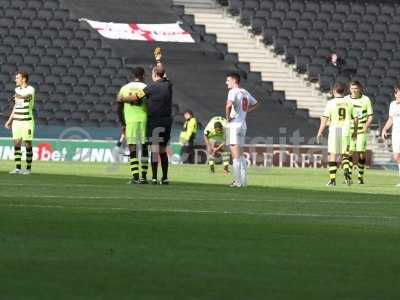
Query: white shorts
[(236, 134), (337, 143), (396, 143)]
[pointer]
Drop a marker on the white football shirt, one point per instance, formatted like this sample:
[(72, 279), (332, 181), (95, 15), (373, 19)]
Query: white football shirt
[(394, 112), (240, 99)]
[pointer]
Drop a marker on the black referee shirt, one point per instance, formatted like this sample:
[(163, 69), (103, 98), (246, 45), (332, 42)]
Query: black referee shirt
[(159, 94)]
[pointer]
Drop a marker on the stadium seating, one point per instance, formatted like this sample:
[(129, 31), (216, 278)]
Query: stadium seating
[(365, 33), (196, 67), (58, 51), (77, 73)]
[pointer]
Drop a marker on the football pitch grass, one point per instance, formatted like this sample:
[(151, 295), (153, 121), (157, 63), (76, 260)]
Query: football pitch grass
[(78, 231)]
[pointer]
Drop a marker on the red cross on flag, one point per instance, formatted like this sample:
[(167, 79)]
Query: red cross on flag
[(142, 32)]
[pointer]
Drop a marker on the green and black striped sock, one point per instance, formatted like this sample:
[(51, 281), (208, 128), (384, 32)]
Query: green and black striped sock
[(145, 161), (346, 164), (17, 157), (350, 165), (361, 168), (332, 170), (29, 155), (134, 163)]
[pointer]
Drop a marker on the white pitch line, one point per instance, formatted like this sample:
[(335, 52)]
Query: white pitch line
[(189, 211), (202, 199), (49, 184)]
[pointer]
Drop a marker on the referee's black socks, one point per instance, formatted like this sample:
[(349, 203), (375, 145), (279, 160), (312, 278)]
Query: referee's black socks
[(164, 165), (154, 165)]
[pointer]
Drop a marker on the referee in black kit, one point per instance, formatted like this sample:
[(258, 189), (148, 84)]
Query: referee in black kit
[(159, 121)]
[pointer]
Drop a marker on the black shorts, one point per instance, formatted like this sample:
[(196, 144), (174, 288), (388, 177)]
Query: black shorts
[(159, 130)]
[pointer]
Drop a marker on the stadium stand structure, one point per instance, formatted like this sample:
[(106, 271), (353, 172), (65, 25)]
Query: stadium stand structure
[(365, 33), (77, 72), (261, 58), (69, 65)]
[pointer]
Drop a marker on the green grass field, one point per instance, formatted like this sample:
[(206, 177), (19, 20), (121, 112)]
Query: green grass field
[(78, 231)]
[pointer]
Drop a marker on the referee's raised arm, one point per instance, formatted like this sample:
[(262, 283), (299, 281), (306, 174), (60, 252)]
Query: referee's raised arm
[(159, 122)]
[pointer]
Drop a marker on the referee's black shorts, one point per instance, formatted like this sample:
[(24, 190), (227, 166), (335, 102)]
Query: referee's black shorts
[(159, 130)]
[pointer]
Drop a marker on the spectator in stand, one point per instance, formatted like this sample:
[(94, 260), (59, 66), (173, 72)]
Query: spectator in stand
[(337, 62)]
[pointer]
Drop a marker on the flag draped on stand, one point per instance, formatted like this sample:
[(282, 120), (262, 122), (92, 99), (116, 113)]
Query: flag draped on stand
[(142, 32)]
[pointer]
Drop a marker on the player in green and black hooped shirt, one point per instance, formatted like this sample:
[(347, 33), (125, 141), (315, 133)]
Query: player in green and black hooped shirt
[(363, 110), (133, 117), (21, 121)]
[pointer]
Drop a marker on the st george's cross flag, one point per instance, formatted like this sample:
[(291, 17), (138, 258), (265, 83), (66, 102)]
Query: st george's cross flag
[(142, 32)]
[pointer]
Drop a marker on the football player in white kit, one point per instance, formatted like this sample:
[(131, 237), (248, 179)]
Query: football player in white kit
[(394, 122), (238, 104)]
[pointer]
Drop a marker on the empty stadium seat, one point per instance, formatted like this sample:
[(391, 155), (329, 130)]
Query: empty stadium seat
[(52, 51), (29, 14), (76, 71), (76, 43), (365, 33), (31, 59), (48, 60), (65, 61), (51, 4), (86, 80), (72, 59), (64, 88), (59, 69), (61, 14), (39, 23)]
